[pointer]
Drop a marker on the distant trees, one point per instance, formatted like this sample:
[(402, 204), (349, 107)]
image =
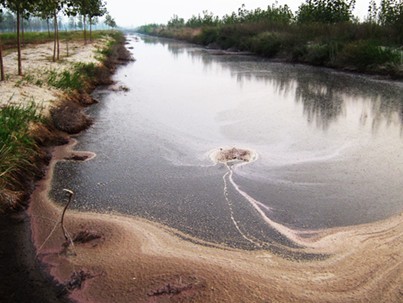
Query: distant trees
[(273, 14), (89, 10), (175, 21)]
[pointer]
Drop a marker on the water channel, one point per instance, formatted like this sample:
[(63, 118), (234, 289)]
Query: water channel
[(328, 144)]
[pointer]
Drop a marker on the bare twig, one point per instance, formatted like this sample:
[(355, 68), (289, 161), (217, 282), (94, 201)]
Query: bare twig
[(71, 195), (61, 222)]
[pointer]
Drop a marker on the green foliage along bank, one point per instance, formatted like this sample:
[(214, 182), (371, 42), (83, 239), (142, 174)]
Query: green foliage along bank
[(321, 32)]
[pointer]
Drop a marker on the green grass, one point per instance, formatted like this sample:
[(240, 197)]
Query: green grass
[(76, 79), (17, 147)]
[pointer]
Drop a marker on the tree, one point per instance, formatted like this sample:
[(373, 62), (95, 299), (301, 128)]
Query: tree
[(325, 11), (390, 12), (391, 15), (109, 21), (96, 9), (2, 78), (50, 9), (372, 13), (175, 21), (19, 7)]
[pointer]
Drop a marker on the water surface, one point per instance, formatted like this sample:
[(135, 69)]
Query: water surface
[(328, 143)]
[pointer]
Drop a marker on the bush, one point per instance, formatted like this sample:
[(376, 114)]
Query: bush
[(267, 44), (367, 55)]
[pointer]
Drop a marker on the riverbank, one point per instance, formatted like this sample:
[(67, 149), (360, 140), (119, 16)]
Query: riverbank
[(325, 45), (59, 111)]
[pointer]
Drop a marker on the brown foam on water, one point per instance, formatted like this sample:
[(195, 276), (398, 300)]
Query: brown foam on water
[(142, 261), (230, 154)]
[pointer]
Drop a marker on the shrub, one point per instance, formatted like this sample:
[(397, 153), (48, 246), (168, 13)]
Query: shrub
[(367, 55), (267, 44)]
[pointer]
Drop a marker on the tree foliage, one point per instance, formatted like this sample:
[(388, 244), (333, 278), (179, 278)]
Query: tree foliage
[(176, 22), (325, 11), (109, 21), (391, 12)]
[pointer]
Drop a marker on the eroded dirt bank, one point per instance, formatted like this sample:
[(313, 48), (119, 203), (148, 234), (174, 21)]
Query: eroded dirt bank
[(133, 260)]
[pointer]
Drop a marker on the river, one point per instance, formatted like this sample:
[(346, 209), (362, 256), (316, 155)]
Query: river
[(328, 145)]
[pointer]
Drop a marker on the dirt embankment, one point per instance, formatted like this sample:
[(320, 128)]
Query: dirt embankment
[(23, 276)]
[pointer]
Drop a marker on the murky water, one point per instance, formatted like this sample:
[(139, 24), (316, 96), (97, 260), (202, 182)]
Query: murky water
[(329, 146)]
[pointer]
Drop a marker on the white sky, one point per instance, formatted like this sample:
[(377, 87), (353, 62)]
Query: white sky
[(139, 12)]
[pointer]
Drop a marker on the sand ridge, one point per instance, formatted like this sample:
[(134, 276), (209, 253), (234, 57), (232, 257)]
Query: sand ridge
[(142, 261)]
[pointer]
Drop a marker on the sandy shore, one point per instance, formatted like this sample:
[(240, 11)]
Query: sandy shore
[(37, 65), (130, 259)]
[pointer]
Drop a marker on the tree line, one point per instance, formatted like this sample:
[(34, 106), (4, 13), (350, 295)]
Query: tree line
[(37, 24), (50, 11), (320, 32), (386, 13)]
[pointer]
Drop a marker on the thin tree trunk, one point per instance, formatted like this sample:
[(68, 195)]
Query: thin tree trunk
[(85, 29), (67, 43), (22, 32), (90, 20), (57, 37), (47, 22), (19, 43), (2, 78), (54, 37)]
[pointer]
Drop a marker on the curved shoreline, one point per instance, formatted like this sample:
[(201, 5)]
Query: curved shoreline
[(140, 261)]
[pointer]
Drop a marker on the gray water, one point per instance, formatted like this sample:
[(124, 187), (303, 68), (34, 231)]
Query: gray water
[(329, 146)]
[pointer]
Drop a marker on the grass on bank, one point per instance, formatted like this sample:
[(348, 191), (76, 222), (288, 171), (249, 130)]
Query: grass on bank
[(74, 79), (18, 150)]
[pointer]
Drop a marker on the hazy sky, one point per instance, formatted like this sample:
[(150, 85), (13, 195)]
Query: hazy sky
[(134, 13)]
